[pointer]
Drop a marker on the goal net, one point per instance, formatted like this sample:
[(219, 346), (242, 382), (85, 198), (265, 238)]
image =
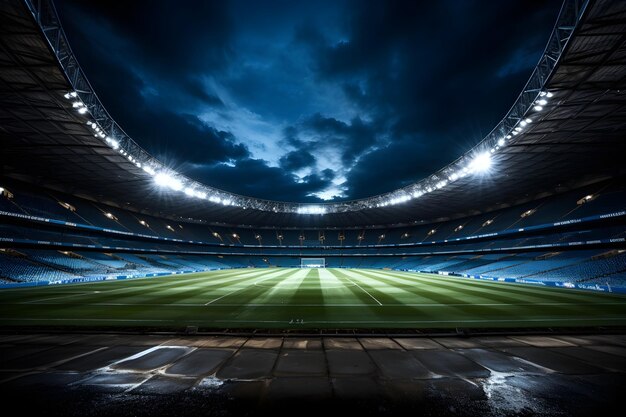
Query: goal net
[(312, 263)]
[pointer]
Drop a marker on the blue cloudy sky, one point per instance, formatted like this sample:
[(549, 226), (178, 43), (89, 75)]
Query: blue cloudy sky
[(308, 100)]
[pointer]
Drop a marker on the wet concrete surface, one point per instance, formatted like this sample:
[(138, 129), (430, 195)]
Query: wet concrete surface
[(148, 375)]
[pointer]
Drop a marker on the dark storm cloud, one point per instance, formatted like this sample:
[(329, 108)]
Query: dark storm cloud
[(253, 177), (350, 139), (241, 94), (440, 74), (296, 160)]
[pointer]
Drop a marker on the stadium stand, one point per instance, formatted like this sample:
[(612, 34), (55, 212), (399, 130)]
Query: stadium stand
[(533, 240)]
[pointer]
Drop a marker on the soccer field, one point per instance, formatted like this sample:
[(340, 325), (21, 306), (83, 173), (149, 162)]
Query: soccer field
[(308, 299)]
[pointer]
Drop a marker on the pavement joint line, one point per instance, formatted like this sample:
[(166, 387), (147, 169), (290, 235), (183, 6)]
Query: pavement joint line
[(64, 360)]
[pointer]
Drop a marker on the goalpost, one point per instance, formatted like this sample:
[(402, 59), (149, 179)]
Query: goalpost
[(312, 262)]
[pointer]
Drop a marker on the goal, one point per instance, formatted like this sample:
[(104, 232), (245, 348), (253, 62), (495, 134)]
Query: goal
[(312, 263)]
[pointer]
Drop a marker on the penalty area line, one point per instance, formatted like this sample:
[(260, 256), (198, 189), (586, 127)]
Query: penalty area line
[(364, 290), (243, 288)]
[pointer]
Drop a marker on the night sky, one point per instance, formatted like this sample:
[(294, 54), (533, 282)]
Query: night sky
[(308, 100)]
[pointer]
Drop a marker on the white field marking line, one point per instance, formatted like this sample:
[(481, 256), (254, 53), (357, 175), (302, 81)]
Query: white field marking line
[(535, 291), (334, 321), (438, 305), (133, 291), (182, 279), (272, 275), (327, 276), (362, 289)]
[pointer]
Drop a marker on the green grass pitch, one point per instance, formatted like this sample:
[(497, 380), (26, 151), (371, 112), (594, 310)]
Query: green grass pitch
[(308, 299)]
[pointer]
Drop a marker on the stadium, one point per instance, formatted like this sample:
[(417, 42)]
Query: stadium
[(495, 285)]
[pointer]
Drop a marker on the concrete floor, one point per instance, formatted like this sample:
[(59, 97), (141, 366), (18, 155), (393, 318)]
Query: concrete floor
[(148, 375)]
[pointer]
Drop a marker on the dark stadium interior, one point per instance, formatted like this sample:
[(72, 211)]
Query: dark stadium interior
[(114, 268)]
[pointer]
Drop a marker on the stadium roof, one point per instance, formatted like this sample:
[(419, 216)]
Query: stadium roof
[(57, 134)]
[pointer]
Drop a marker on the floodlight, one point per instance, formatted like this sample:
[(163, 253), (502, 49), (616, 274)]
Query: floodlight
[(164, 180), (549, 94), (501, 142), (73, 94), (481, 163), (542, 102), (528, 120), (523, 123), (82, 110)]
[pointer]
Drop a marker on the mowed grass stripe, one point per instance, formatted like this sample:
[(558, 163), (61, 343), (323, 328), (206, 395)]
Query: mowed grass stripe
[(247, 283), (326, 298), (526, 290), (478, 294), (548, 295), (124, 286), (173, 289)]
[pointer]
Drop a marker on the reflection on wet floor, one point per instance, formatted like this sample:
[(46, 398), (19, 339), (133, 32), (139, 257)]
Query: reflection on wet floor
[(152, 375)]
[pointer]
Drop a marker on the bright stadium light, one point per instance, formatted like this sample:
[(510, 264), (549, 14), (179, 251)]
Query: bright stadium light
[(549, 94), (528, 120), (164, 180), (542, 102), (112, 143), (82, 110), (538, 108), (501, 142), (148, 169), (311, 210), (481, 163)]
